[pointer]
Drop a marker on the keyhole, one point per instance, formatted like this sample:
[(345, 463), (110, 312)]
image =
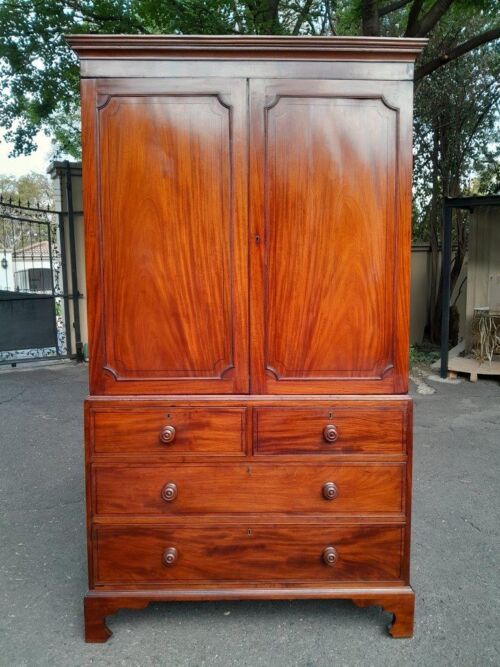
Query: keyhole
[(249, 531)]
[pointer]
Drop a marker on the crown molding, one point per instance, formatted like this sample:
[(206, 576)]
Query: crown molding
[(213, 47)]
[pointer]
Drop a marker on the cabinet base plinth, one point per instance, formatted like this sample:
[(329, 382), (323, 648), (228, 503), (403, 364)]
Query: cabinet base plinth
[(97, 607), (400, 601), (402, 607)]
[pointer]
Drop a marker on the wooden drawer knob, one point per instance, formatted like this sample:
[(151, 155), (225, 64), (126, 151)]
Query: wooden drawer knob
[(167, 434), (330, 491), (330, 556), (169, 492), (169, 556), (330, 433)]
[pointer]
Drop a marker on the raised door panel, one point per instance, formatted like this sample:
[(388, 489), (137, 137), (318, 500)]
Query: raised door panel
[(172, 237), (330, 165)]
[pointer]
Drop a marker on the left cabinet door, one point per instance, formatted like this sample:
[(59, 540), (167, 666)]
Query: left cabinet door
[(166, 235)]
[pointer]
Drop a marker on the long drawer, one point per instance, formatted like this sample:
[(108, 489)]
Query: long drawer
[(123, 489), (344, 429), (157, 555), (169, 430)]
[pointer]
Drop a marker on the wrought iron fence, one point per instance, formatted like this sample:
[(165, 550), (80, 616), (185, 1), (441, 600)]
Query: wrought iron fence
[(34, 316)]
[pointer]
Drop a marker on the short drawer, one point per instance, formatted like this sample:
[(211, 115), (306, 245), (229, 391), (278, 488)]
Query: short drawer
[(169, 431), (226, 488), (157, 555), (350, 429)]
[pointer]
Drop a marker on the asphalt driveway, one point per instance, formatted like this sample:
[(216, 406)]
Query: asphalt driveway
[(43, 570)]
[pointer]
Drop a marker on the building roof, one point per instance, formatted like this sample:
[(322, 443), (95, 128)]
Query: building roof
[(40, 249), (473, 201)]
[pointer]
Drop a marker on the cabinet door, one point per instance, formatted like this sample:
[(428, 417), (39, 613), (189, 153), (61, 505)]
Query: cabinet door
[(330, 169), (165, 180)]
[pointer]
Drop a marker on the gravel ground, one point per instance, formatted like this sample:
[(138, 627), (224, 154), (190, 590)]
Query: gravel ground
[(43, 571)]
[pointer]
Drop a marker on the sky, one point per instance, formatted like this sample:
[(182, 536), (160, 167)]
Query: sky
[(18, 166)]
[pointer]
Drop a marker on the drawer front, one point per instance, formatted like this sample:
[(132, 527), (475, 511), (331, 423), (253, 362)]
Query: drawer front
[(200, 489), (170, 431), (153, 555), (344, 430)]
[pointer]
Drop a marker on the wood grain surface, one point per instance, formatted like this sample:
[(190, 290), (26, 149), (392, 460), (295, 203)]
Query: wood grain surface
[(134, 489), (134, 554), (168, 216), (301, 430), (197, 431), (266, 47), (248, 218), (326, 170)]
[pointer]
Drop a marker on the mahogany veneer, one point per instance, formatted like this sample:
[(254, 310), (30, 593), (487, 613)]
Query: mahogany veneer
[(170, 431), (356, 429), (247, 213), (137, 490), (237, 553)]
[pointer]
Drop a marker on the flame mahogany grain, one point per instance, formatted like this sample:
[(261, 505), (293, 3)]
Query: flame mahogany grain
[(135, 489), (197, 431), (133, 554), (359, 429), (247, 216)]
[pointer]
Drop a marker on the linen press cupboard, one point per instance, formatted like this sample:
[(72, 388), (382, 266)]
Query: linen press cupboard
[(247, 212)]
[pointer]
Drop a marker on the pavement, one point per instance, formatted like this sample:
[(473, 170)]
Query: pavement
[(43, 569)]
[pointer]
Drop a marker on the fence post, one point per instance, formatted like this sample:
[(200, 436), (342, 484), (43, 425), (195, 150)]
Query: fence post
[(446, 276), (75, 293)]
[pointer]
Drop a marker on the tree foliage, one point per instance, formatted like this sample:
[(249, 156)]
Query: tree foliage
[(34, 188), (457, 149), (31, 189), (39, 74), (456, 113)]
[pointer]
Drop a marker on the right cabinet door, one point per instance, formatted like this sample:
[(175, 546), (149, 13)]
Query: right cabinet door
[(330, 207)]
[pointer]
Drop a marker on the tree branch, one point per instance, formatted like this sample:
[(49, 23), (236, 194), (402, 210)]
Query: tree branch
[(393, 6), (369, 17), (420, 28), (328, 10), (238, 20), (413, 16), (265, 15), (453, 54), (483, 114), (90, 15), (302, 16)]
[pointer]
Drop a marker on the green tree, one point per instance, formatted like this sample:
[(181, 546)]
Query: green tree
[(33, 187), (456, 128), (39, 74), (457, 151)]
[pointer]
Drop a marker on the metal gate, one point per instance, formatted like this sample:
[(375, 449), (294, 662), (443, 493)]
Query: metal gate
[(34, 316)]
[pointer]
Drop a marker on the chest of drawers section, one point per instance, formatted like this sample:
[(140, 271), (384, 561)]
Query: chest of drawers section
[(261, 494)]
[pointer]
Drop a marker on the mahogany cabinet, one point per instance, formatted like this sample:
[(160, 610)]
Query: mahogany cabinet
[(247, 212)]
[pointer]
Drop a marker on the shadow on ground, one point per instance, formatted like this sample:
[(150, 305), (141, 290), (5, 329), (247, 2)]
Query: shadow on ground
[(42, 553)]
